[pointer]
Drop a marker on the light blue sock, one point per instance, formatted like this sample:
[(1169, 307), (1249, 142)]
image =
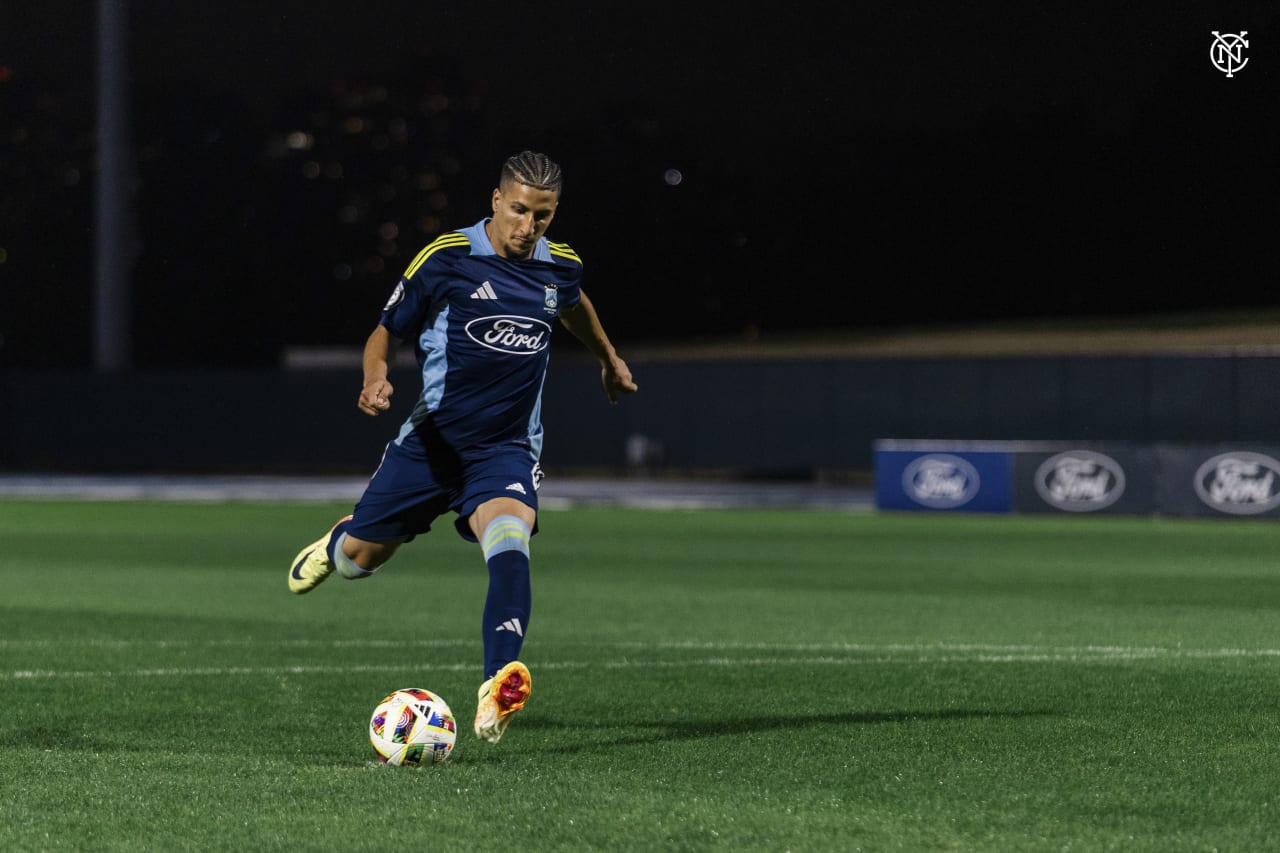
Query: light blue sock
[(345, 565)]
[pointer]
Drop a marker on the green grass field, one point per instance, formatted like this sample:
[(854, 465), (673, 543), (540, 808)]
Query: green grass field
[(736, 680)]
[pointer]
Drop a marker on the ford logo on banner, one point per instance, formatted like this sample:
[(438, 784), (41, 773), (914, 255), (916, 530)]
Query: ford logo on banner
[(941, 481), (1080, 481), (1240, 483)]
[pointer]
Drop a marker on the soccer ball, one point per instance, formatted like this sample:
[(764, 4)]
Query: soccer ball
[(412, 727)]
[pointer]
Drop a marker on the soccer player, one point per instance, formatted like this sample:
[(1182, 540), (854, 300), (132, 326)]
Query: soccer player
[(478, 305)]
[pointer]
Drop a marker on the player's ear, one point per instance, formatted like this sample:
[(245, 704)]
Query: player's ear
[(497, 198)]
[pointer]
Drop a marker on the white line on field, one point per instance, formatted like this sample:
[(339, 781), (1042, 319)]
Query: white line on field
[(975, 651), (234, 642), (1125, 652), (1099, 654), (227, 643)]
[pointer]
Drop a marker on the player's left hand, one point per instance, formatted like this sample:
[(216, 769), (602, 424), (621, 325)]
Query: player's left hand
[(375, 397), (616, 377)]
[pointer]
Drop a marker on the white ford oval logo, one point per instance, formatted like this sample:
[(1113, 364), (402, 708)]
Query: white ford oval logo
[(940, 481), (510, 334), (1080, 481), (1241, 483)]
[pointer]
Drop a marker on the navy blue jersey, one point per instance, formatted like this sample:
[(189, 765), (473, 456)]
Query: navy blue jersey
[(481, 326)]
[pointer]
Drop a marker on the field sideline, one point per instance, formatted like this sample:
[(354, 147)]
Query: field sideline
[(750, 679)]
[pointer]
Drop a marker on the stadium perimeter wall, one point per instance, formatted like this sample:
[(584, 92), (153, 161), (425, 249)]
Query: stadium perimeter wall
[(745, 417)]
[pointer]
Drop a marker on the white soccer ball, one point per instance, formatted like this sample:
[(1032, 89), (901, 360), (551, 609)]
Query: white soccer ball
[(412, 727)]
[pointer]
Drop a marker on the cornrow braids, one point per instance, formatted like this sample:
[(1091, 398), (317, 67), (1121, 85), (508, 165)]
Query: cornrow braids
[(532, 169)]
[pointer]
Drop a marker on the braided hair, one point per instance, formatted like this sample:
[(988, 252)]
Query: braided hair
[(532, 169)]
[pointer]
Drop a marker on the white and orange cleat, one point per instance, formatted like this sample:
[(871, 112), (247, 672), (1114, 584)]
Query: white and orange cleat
[(500, 697)]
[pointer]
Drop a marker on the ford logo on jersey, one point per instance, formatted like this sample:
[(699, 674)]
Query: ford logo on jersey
[(510, 334)]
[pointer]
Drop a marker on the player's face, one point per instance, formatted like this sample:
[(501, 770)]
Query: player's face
[(521, 215)]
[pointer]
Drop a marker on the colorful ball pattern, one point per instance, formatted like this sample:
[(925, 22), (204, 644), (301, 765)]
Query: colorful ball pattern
[(412, 727)]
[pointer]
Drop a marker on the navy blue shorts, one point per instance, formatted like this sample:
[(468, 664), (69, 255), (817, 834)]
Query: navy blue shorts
[(415, 485)]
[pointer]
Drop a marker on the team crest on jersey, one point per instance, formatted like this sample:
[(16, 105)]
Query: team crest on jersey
[(552, 300), (510, 334), (396, 296)]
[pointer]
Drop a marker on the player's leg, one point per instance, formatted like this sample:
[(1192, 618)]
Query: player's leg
[(500, 512), (504, 527), (356, 558), (400, 502), (338, 551)]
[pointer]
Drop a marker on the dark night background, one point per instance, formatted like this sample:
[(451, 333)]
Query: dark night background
[(845, 167)]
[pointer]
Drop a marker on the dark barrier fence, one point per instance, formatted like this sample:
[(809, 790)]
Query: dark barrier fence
[(783, 418)]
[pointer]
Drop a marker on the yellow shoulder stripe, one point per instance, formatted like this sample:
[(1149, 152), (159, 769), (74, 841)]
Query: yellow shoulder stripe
[(444, 241), (562, 250)]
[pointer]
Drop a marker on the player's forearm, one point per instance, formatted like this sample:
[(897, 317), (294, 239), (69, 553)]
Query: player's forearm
[(376, 391), (377, 354), (583, 322)]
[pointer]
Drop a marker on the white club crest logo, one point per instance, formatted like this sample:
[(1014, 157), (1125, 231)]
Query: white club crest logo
[(397, 296), (1227, 52)]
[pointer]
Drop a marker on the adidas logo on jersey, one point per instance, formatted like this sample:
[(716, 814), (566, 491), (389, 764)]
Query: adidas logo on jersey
[(511, 625), (517, 487), (484, 291)]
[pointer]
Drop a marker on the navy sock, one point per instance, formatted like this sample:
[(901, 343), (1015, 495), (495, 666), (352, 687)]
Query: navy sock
[(510, 598), (335, 537)]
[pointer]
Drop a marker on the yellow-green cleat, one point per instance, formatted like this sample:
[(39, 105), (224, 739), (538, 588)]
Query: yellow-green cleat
[(500, 697), (312, 565)]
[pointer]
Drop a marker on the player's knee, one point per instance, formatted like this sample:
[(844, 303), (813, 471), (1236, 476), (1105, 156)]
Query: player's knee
[(495, 508)]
